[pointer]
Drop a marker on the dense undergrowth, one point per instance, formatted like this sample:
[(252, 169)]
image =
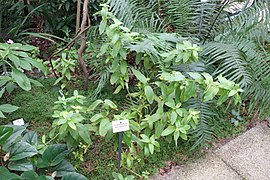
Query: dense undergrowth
[(185, 77), (37, 108)]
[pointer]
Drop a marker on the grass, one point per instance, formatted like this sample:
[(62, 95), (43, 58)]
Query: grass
[(36, 108)]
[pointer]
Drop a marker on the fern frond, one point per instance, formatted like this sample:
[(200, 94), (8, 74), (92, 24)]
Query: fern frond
[(204, 132), (141, 16), (229, 62), (193, 18)]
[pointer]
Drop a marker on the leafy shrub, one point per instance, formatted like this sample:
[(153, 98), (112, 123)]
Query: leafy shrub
[(15, 59)]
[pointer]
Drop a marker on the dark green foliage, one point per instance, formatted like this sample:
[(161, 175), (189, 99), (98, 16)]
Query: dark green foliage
[(24, 153)]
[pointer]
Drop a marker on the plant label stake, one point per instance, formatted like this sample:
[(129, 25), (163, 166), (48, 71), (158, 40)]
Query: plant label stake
[(119, 127)]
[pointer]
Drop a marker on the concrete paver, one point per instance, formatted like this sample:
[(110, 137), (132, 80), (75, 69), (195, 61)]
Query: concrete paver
[(246, 157), (249, 154), (209, 168)]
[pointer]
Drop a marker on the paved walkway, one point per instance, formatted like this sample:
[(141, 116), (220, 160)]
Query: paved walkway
[(246, 157)]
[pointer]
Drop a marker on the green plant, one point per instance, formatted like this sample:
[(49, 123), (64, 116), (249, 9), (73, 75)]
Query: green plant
[(64, 66), (156, 107), (15, 59), (7, 108), (24, 153), (118, 176), (68, 120)]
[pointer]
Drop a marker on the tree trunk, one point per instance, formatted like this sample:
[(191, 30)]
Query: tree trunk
[(83, 44), (78, 18)]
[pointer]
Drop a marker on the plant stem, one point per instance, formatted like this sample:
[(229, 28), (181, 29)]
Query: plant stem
[(133, 172)]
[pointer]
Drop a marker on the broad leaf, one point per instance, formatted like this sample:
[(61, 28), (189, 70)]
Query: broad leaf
[(84, 133), (21, 150), (95, 104), (15, 136), (5, 133), (8, 108), (139, 76), (63, 168), (21, 79), (104, 127), (29, 175), (210, 93), (149, 93), (20, 165), (6, 175), (31, 138), (36, 83), (54, 154), (169, 130), (73, 175)]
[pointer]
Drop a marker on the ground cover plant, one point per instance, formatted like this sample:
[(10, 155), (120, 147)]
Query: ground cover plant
[(179, 87)]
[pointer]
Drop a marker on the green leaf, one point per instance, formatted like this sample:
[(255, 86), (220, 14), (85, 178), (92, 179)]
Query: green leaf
[(63, 168), (176, 136), (104, 127), (20, 165), (172, 77), (53, 155), (2, 115), (173, 117), (96, 117), (102, 26), (94, 105), (169, 130), (222, 98), (2, 92), (196, 76), (73, 176), (29, 175), (31, 138), (38, 65), (15, 136), (22, 150), (208, 78), (183, 136), (123, 67), (10, 87), (84, 133), (36, 83), (72, 125), (149, 93), (139, 76), (25, 65), (109, 103), (116, 48), (6, 175), (8, 108), (151, 148), (21, 79), (5, 133), (115, 77), (210, 93), (232, 93), (14, 59)]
